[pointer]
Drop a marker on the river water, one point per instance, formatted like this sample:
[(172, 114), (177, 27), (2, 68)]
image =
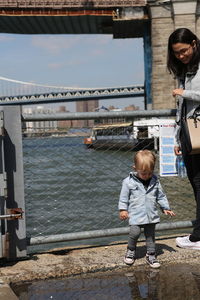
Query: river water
[(69, 188)]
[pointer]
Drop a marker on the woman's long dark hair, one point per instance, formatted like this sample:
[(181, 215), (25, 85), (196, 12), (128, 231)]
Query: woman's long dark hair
[(174, 65)]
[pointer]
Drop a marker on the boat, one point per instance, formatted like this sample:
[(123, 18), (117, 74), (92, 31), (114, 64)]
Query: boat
[(118, 136), (137, 135)]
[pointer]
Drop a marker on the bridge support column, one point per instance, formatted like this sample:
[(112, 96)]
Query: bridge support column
[(165, 18), (184, 14), (161, 27)]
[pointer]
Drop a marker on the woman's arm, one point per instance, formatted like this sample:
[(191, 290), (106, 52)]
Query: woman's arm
[(187, 94), (191, 95)]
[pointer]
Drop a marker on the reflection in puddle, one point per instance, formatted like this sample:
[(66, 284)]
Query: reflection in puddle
[(173, 282)]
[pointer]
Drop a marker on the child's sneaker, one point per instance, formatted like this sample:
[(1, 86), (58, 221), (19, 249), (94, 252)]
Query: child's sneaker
[(152, 261), (129, 258)]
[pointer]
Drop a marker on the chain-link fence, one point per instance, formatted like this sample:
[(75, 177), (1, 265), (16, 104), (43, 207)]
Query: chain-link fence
[(72, 186)]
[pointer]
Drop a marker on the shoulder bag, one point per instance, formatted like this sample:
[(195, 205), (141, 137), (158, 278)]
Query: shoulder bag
[(190, 128)]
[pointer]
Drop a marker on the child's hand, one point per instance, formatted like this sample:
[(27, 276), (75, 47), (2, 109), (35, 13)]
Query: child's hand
[(169, 212), (123, 214)]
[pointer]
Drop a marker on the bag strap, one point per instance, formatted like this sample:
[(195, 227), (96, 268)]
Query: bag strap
[(183, 110)]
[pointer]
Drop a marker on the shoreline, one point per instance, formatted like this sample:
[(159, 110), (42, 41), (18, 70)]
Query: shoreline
[(53, 134)]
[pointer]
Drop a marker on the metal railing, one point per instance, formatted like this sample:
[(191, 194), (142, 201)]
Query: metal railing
[(91, 171), (77, 236), (59, 4), (70, 190)]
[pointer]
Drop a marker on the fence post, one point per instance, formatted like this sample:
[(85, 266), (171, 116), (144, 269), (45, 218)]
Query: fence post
[(3, 187), (16, 229)]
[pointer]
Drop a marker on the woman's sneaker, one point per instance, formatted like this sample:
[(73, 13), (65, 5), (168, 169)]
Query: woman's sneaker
[(152, 261), (184, 242), (129, 258)]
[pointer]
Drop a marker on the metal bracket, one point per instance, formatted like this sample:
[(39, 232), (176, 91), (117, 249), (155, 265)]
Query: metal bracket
[(12, 214)]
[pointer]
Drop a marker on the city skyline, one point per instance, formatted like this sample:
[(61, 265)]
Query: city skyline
[(55, 126)]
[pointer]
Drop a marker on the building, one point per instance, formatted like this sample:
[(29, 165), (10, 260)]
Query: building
[(40, 126), (85, 106), (64, 124)]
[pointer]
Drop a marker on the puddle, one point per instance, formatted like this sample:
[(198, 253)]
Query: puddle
[(173, 282)]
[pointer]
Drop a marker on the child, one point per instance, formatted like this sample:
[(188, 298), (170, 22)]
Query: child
[(140, 193)]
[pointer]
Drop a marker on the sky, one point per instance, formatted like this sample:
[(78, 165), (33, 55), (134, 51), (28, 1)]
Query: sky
[(85, 61)]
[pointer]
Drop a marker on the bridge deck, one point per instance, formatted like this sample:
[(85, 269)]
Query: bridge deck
[(74, 17), (59, 4)]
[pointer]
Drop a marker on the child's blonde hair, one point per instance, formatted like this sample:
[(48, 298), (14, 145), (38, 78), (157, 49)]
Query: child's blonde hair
[(144, 160)]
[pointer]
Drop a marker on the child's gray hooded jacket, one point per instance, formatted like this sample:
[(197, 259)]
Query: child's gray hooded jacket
[(142, 204)]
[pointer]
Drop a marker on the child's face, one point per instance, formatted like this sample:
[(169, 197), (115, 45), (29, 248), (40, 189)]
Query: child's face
[(144, 175)]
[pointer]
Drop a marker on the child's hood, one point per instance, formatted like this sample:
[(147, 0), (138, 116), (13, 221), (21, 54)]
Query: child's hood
[(133, 175)]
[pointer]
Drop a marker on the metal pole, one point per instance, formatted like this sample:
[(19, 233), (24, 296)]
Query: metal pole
[(99, 115), (2, 188), (147, 65), (100, 233)]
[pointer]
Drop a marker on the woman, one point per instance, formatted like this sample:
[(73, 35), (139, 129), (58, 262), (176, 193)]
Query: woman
[(183, 62)]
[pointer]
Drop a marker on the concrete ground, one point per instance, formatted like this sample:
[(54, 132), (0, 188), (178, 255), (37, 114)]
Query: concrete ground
[(66, 262)]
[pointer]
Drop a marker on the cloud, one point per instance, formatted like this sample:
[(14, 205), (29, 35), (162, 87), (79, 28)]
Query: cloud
[(54, 44), (75, 62), (6, 38), (97, 52), (97, 40), (55, 66), (64, 64)]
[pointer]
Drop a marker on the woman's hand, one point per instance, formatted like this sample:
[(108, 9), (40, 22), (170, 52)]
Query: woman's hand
[(177, 150), (123, 214), (177, 92)]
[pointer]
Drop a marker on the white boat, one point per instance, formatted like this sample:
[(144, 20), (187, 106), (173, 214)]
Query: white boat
[(142, 134), (118, 136)]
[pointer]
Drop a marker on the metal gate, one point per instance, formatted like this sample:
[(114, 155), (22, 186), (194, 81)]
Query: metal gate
[(12, 225)]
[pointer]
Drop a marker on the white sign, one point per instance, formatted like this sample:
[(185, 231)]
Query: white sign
[(166, 147)]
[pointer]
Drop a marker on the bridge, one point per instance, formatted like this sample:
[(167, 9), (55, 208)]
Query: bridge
[(74, 17), (122, 18), (15, 92), (152, 20)]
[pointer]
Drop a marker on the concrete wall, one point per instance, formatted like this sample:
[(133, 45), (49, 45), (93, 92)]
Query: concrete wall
[(166, 16)]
